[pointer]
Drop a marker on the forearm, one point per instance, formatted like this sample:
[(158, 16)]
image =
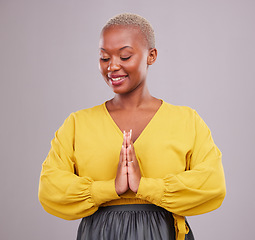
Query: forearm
[(176, 195)]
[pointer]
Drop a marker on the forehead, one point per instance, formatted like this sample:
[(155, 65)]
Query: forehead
[(120, 36)]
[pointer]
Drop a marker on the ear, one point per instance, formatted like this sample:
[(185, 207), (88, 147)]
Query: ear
[(152, 56)]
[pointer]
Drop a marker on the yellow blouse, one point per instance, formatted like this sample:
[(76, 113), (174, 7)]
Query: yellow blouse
[(180, 165)]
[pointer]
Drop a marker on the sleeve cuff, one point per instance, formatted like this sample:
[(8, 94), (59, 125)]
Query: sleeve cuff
[(103, 191), (151, 189)]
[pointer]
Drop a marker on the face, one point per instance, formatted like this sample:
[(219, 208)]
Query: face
[(124, 58)]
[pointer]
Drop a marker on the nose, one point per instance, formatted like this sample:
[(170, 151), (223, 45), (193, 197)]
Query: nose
[(113, 65)]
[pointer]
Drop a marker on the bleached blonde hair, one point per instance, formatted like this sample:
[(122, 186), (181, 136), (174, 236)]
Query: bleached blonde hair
[(131, 19)]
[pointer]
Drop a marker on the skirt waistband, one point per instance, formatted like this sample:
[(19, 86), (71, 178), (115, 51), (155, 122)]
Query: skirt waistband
[(133, 207)]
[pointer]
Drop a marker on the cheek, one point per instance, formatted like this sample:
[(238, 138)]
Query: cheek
[(102, 67), (136, 66), (139, 67)]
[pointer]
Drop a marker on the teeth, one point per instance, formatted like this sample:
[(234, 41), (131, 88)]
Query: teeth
[(117, 79)]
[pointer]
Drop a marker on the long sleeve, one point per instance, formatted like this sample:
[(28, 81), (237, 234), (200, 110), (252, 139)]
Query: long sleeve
[(61, 191), (199, 189)]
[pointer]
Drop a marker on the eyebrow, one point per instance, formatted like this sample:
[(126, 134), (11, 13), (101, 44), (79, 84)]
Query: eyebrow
[(119, 49)]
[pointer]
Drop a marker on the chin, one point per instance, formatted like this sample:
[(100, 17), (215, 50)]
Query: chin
[(121, 92)]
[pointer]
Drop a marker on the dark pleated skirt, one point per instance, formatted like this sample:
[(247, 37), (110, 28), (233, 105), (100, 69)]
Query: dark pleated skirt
[(129, 222)]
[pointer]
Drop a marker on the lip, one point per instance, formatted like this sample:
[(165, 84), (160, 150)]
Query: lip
[(116, 75), (116, 82)]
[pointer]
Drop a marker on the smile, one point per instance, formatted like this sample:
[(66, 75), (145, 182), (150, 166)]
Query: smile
[(118, 78)]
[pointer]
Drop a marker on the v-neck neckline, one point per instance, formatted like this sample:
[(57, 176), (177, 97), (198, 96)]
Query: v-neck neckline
[(145, 128)]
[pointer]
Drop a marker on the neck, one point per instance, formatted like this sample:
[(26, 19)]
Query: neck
[(132, 100)]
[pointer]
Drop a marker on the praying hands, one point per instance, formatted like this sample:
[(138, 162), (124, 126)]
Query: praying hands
[(128, 173)]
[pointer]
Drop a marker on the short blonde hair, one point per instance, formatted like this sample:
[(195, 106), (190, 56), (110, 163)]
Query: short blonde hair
[(131, 19)]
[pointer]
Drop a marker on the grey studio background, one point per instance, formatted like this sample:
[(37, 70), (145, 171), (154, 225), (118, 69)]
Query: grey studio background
[(49, 68)]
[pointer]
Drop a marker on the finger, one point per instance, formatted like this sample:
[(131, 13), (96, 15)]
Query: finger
[(124, 138), (130, 155), (123, 155), (128, 142), (128, 158), (129, 137)]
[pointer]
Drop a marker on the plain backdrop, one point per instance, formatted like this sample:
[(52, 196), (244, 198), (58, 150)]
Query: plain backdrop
[(49, 68)]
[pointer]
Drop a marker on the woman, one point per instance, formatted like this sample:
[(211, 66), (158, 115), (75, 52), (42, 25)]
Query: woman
[(134, 166)]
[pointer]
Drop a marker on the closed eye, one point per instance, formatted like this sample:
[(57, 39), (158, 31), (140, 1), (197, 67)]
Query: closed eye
[(125, 58), (105, 59)]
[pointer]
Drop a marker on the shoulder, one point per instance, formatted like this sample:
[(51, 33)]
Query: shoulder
[(177, 111), (92, 112), (187, 116), (184, 115)]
